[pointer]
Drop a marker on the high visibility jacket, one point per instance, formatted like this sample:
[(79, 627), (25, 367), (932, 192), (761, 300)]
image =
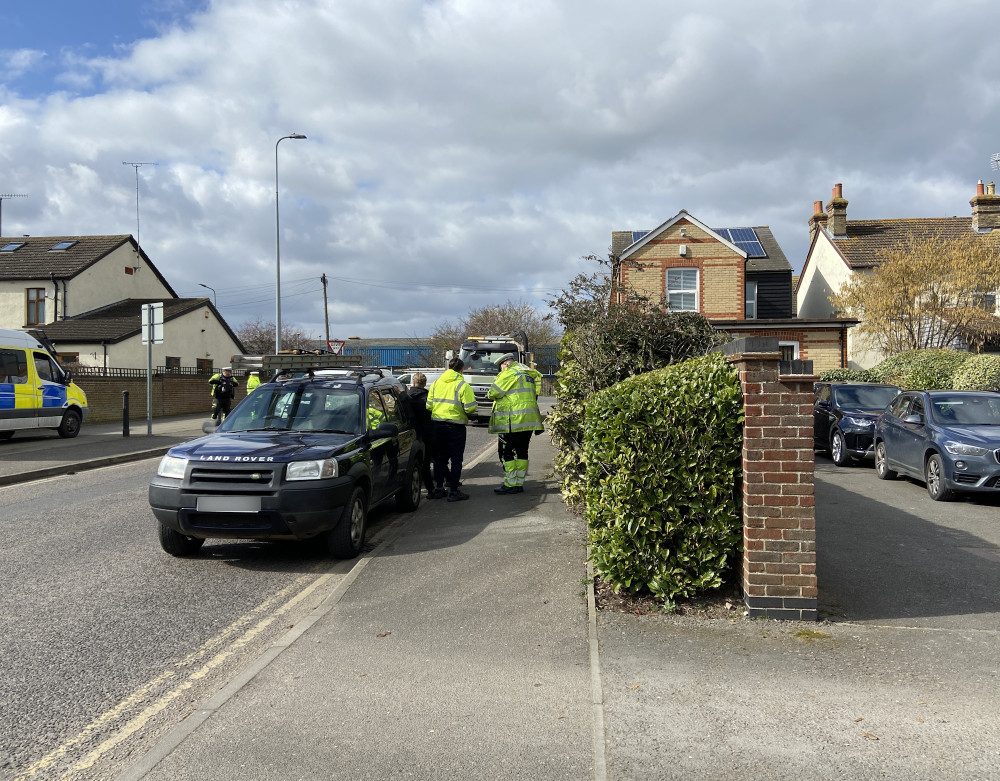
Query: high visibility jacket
[(252, 382), (515, 400), (450, 398)]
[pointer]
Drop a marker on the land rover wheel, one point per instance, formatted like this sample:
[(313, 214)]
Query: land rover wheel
[(346, 539), (838, 449), (70, 425), (408, 497), (177, 544)]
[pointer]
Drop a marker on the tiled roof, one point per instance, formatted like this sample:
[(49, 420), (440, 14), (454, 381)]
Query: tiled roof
[(775, 260), (35, 260), (116, 322), (867, 239)]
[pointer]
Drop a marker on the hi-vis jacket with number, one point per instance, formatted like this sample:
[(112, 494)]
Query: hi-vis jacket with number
[(450, 398), (515, 400)]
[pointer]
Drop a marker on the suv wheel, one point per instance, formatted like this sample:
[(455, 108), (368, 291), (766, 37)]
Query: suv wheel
[(408, 497), (177, 544), (934, 477), (347, 538), (838, 449), (881, 464)]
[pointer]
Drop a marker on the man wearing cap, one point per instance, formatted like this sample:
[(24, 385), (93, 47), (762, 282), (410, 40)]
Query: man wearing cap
[(515, 418), (223, 391)]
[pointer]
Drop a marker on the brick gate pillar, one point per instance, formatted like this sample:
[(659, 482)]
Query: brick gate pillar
[(779, 509)]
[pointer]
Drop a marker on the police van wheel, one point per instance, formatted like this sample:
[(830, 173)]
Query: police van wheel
[(346, 539), (4, 435), (70, 425), (177, 544)]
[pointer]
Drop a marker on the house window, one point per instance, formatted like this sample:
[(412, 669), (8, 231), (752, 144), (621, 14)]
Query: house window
[(65, 358), (173, 363), (36, 306), (751, 300), (987, 301), (789, 351), (204, 365), (682, 289)]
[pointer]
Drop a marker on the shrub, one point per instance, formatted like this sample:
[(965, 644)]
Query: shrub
[(920, 369), (662, 454), (979, 372), (848, 375)]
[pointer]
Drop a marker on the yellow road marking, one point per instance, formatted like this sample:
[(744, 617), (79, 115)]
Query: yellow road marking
[(138, 721)]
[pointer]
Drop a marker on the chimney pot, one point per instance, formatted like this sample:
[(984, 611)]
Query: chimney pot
[(817, 207), (991, 189), (979, 188), (838, 190)]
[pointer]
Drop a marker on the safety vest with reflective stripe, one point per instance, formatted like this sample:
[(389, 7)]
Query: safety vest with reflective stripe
[(450, 398), (515, 400)]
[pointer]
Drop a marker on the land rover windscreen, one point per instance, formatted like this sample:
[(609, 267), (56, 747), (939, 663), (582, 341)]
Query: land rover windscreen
[(297, 459)]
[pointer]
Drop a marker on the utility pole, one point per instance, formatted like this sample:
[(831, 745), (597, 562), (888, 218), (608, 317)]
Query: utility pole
[(136, 167), (7, 195), (326, 311)]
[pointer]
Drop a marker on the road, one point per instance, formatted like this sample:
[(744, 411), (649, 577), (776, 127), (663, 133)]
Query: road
[(108, 641)]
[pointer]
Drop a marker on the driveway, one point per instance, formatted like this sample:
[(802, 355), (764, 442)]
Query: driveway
[(887, 554)]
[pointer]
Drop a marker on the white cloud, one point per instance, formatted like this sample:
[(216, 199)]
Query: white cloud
[(488, 146)]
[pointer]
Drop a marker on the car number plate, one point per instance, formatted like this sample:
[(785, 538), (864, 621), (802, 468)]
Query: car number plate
[(228, 504)]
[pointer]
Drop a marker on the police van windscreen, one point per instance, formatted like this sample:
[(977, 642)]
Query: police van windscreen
[(479, 359)]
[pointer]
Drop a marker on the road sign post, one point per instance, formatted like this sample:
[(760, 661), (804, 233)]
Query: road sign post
[(152, 333)]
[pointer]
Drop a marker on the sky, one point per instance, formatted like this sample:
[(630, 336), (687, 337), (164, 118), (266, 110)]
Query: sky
[(463, 153)]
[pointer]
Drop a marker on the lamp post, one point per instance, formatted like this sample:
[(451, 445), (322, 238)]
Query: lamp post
[(215, 302), (277, 248)]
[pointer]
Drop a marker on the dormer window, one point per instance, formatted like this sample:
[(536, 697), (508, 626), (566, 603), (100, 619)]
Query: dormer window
[(62, 246), (14, 245)]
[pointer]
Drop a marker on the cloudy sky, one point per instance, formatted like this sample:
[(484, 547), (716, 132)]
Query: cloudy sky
[(462, 153)]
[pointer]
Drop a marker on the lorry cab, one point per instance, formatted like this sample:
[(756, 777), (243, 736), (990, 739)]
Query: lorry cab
[(35, 391), (479, 353)]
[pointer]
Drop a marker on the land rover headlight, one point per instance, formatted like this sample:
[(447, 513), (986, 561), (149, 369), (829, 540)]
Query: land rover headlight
[(172, 466), (312, 470), (962, 449)]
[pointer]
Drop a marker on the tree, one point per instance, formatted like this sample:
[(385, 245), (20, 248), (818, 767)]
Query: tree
[(496, 319), (927, 292), (258, 337)]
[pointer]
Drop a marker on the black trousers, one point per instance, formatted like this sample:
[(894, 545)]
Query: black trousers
[(449, 450), (221, 408), (513, 445)]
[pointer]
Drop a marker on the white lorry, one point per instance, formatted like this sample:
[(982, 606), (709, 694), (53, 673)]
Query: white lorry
[(479, 352)]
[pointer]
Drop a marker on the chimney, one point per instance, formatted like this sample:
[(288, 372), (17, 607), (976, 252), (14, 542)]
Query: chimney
[(985, 208), (818, 220), (836, 211)]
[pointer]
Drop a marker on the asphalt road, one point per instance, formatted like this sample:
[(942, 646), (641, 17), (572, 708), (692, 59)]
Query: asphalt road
[(108, 641)]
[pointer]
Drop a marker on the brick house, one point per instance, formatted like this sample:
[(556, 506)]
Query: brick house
[(842, 248), (738, 278), (84, 294)]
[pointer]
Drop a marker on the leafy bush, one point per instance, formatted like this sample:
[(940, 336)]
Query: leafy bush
[(920, 369), (662, 456), (848, 375), (979, 372)]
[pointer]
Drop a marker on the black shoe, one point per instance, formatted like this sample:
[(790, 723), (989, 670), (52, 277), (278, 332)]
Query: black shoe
[(456, 496), (508, 489), (437, 493)]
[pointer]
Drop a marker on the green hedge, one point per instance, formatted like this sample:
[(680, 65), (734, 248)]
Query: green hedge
[(662, 454), (933, 369), (979, 372)]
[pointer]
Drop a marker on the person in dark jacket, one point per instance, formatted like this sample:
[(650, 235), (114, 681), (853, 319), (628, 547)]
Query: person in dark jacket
[(425, 430), (223, 391)]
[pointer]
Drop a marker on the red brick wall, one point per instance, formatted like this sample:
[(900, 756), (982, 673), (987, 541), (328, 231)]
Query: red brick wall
[(779, 509), (172, 395)]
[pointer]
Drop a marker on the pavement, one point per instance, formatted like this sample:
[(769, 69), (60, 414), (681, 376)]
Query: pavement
[(467, 645)]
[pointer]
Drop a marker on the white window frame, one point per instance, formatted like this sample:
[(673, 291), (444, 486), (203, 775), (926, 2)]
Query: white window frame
[(682, 291), (750, 301), (793, 345)]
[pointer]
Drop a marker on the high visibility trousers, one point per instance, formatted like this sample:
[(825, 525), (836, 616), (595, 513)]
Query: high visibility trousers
[(513, 450)]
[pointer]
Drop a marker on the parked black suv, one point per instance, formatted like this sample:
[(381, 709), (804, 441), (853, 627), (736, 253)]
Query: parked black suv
[(304, 455), (844, 415)]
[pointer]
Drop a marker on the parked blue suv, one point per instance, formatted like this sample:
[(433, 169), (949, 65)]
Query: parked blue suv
[(949, 439), (304, 456)]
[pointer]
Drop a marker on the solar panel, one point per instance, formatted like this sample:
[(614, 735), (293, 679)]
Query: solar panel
[(636, 235), (744, 238)]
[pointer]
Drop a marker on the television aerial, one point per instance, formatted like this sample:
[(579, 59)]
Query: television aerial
[(995, 161)]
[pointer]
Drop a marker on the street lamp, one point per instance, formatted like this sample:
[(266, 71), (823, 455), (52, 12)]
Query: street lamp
[(215, 302), (277, 248)]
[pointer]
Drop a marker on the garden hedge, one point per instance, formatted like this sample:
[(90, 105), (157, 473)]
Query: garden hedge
[(933, 369), (663, 465)]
